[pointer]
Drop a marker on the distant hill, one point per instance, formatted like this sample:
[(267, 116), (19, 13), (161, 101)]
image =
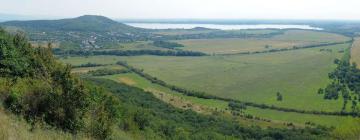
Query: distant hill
[(84, 31), (82, 23)]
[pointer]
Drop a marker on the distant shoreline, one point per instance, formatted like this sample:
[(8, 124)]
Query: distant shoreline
[(219, 26)]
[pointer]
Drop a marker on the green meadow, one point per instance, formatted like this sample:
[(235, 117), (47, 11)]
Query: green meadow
[(257, 78), (276, 116), (297, 75)]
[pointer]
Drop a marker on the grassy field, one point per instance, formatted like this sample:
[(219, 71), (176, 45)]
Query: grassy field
[(87, 69), (355, 51), (297, 75), (200, 105), (289, 39)]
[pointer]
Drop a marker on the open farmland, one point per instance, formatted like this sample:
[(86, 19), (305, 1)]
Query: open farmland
[(289, 39), (355, 52), (276, 116), (297, 75)]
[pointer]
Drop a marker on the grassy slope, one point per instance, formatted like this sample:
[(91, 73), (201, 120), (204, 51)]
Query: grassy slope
[(276, 116), (235, 45)]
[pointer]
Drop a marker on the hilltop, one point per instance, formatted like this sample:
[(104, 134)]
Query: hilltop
[(88, 31), (89, 23)]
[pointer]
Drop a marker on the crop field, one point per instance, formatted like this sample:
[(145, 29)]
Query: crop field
[(355, 52), (289, 39)]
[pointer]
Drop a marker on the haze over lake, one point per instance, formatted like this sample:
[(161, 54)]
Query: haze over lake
[(220, 26)]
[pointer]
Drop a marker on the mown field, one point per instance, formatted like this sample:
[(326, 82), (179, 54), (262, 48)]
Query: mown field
[(289, 39), (297, 75)]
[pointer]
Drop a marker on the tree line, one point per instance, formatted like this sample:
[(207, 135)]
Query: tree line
[(207, 96), (107, 71), (128, 52), (290, 49), (345, 83), (167, 44)]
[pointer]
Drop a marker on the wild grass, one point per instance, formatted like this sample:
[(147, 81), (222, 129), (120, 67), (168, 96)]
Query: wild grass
[(206, 105)]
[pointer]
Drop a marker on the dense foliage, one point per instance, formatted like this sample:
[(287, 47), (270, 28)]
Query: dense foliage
[(88, 65), (42, 90), (346, 82)]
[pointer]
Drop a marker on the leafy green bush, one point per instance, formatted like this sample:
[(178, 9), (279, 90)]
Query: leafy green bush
[(41, 89)]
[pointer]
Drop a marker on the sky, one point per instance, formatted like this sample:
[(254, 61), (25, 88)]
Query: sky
[(187, 9)]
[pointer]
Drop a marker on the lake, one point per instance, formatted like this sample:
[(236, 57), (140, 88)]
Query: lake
[(219, 26)]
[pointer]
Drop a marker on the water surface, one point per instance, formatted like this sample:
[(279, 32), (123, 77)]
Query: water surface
[(220, 26)]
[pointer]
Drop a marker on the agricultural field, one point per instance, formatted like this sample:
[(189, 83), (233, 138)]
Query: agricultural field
[(289, 39), (355, 52), (297, 75), (206, 105)]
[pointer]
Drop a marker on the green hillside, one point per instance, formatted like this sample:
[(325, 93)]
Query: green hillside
[(89, 23), (42, 91)]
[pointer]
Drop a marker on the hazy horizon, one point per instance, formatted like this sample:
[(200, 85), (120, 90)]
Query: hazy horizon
[(187, 9)]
